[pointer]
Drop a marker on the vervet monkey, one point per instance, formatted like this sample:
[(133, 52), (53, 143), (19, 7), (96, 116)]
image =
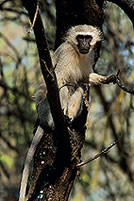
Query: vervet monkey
[(72, 62)]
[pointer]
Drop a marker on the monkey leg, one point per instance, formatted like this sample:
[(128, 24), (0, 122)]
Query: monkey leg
[(75, 104)]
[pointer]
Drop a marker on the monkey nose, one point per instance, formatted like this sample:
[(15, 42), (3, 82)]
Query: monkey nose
[(84, 42)]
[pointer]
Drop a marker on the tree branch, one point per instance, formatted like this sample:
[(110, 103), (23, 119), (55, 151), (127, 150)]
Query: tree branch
[(45, 60), (126, 6), (116, 80), (104, 151)]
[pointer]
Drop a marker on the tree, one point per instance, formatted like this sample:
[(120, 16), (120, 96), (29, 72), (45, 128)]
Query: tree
[(90, 13)]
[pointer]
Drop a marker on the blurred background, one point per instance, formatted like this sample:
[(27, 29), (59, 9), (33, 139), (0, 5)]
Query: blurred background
[(109, 178)]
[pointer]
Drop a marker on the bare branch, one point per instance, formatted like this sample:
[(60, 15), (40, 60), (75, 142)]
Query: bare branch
[(35, 16), (8, 143), (118, 82), (45, 60), (104, 151)]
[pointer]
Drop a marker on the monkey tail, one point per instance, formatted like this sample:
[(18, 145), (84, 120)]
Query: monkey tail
[(36, 139)]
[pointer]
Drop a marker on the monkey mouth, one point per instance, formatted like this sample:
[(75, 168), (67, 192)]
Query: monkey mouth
[(84, 51)]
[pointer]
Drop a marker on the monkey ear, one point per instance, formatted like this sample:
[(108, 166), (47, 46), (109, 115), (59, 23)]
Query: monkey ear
[(96, 38)]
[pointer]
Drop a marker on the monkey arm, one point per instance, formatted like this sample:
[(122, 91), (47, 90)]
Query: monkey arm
[(96, 79), (43, 108), (41, 93)]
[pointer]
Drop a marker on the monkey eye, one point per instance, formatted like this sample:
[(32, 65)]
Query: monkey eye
[(88, 37), (81, 37)]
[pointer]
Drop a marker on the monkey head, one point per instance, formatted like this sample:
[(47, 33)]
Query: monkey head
[(84, 43), (83, 37)]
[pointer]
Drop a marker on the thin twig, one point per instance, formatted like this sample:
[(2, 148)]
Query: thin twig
[(118, 82), (50, 73), (35, 16), (104, 151)]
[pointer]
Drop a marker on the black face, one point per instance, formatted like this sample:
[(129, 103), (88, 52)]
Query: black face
[(84, 43)]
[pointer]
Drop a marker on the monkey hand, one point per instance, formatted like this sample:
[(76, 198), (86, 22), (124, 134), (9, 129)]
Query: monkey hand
[(111, 78), (67, 120)]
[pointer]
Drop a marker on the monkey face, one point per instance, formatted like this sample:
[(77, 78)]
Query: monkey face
[(84, 43)]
